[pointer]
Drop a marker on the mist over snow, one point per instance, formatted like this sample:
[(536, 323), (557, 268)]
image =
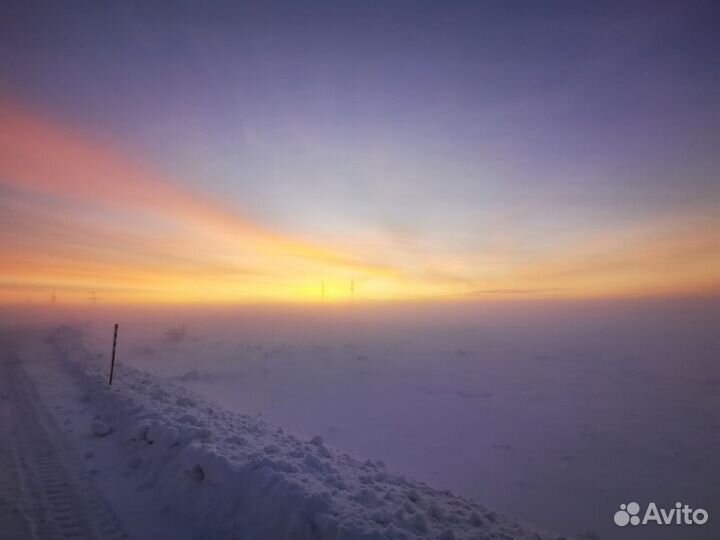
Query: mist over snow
[(554, 412)]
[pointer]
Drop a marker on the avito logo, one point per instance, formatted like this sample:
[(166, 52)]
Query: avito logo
[(629, 514)]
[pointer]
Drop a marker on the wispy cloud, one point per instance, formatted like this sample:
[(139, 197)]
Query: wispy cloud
[(77, 216), (71, 211), (41, 157)]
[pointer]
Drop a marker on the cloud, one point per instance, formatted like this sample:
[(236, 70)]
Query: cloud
[(537, 291), (43, 158), (76, 216)]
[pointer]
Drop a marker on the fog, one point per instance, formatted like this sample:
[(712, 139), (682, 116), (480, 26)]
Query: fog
[(553, 411)]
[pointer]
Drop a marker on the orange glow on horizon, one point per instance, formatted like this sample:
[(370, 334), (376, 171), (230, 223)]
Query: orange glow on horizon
[(199, 250)]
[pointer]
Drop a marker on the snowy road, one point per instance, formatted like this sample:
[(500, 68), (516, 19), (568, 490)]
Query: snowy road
[(45, 490)]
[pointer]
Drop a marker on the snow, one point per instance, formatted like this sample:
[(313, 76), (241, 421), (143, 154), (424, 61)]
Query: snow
[(552, 413), (240, 475), (100, 429)]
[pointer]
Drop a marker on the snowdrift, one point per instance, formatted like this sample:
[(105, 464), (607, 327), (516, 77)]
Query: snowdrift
[(241, 478)]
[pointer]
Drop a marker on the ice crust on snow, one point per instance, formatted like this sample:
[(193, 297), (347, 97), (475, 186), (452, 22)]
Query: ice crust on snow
[(239, 476)]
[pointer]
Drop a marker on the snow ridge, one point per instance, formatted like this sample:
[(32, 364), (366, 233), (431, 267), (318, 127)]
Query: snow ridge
[(240, 477)]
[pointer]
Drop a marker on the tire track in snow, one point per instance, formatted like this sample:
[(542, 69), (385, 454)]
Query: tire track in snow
[(53, 495), (14, 523)]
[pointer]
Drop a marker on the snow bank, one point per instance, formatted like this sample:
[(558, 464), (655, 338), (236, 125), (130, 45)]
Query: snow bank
[(240, 477)]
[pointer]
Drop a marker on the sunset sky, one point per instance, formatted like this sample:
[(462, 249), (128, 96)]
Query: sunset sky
[(228, 152)]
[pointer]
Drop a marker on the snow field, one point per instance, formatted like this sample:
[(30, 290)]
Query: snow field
[(241, 477)]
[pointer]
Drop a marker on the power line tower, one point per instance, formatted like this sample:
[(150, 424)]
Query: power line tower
[(352, 290), (93, 298), (53, 299), (322, 290)]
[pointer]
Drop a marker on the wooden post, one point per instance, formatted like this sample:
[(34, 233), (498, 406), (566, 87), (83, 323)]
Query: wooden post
[(112, 361)]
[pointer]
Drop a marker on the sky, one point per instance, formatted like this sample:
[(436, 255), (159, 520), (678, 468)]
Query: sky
[(230, 152)]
